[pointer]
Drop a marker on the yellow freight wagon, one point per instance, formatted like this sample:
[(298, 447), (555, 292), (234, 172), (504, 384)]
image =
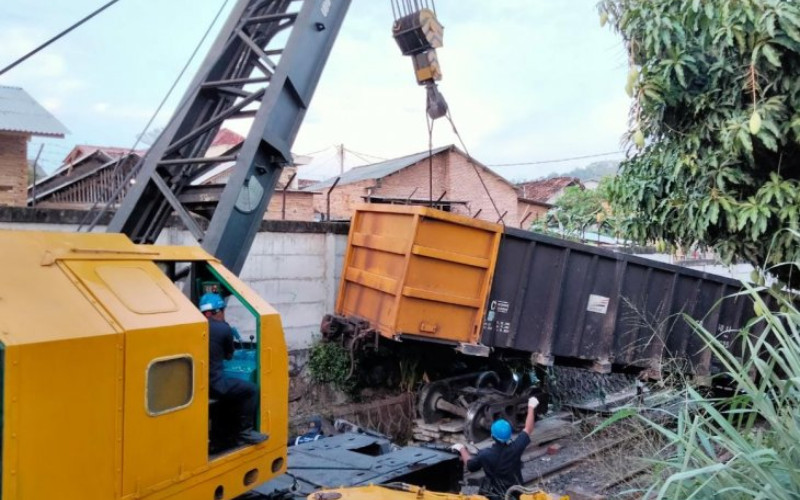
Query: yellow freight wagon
[(105, 373), (417, 272)]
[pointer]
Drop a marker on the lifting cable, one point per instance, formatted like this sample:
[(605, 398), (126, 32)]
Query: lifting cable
[(429, 122), (129, 177), (469, 159)]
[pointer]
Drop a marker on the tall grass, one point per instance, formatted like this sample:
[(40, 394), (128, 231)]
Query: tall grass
[(747, 445)]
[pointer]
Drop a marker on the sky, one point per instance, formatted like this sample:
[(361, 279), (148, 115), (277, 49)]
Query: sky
[(527, 81)]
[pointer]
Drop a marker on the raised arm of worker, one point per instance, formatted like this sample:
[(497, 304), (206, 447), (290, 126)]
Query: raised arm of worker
[(528, 429), (532, 404)]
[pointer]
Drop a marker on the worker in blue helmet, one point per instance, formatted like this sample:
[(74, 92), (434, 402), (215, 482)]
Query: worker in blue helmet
[(502, 462), (239, 396)]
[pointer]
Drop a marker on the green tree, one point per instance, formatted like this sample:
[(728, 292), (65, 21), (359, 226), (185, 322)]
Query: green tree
[(579, 210), (714, 156)]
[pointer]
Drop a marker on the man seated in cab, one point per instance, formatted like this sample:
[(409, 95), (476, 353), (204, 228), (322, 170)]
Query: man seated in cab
[(238, 396), (502, 462)]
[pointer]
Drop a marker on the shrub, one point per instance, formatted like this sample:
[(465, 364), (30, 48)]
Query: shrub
[(746, 445), (330, 363)]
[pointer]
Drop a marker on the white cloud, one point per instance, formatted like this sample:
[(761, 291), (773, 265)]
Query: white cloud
[(18, 41), (52, 104), (526, 80)]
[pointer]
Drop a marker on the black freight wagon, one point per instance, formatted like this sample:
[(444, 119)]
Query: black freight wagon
[(571, 303)]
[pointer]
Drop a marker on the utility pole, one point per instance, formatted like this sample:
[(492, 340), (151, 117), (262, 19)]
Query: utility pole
[(340, 151)]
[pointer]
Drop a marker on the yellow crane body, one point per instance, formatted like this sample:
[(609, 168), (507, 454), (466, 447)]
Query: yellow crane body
[(400, 491), (105, 374)]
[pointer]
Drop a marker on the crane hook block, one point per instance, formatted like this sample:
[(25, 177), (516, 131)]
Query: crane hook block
[(418, 32), (436, 106), (426, 67)]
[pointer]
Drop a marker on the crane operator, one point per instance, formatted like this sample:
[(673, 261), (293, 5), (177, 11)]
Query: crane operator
[(239, 397)]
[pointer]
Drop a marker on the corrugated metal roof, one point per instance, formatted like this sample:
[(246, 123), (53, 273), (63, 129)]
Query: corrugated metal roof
[(376, 170), (19, 112)]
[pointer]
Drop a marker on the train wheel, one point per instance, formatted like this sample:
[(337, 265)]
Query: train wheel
[(487, 380), (428, 397), (478, 424)]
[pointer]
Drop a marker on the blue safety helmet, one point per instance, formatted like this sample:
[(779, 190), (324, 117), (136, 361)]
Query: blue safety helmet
[(211, 302), (501, 431)]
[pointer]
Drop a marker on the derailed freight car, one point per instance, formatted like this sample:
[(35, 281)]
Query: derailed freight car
[(499, 294), (561, 300)]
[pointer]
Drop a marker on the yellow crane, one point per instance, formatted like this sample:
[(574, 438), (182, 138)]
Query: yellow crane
[(103, 352)]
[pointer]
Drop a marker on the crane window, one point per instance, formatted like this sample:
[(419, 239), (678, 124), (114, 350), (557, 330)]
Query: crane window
[(170, 384)]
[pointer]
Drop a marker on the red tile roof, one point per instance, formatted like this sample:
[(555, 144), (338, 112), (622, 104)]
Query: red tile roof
[(545, 189), (226, 137)]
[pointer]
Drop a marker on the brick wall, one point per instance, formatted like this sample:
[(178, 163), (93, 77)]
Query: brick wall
[(532, 211), (416, 179), (343, 199), (13, 169), (451, 172), (299, 206), (465, 184)]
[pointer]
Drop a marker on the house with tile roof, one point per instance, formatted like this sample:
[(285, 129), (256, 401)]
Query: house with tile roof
[(93, 175), (460, 184), (547, 190), (21, 117), (537, 197)]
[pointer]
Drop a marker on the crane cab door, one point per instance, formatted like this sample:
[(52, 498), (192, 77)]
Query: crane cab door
[(164, 390)]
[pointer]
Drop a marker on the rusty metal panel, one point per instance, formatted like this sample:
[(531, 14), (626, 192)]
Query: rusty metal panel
[(414, 271), (558, 299)]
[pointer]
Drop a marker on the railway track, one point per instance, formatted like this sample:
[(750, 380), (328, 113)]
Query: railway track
[(610, 460)]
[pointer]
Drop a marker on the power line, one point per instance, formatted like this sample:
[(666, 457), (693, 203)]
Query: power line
[(543, 162), (131, 175), (319, 151), (357, 155), (45, 44), (366, 154)]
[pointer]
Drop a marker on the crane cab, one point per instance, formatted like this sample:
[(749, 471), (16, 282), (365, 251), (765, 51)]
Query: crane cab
[(104, 372)]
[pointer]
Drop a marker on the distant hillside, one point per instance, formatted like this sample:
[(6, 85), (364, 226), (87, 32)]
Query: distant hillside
[(593, 171)]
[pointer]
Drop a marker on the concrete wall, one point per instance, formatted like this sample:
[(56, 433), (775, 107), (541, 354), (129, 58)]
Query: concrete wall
[(13, 169), (708, 264), (295, 266)]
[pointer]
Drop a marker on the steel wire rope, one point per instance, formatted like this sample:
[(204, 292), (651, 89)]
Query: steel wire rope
[(127, 179), (53, 39), (429, 122), (474, 166)]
